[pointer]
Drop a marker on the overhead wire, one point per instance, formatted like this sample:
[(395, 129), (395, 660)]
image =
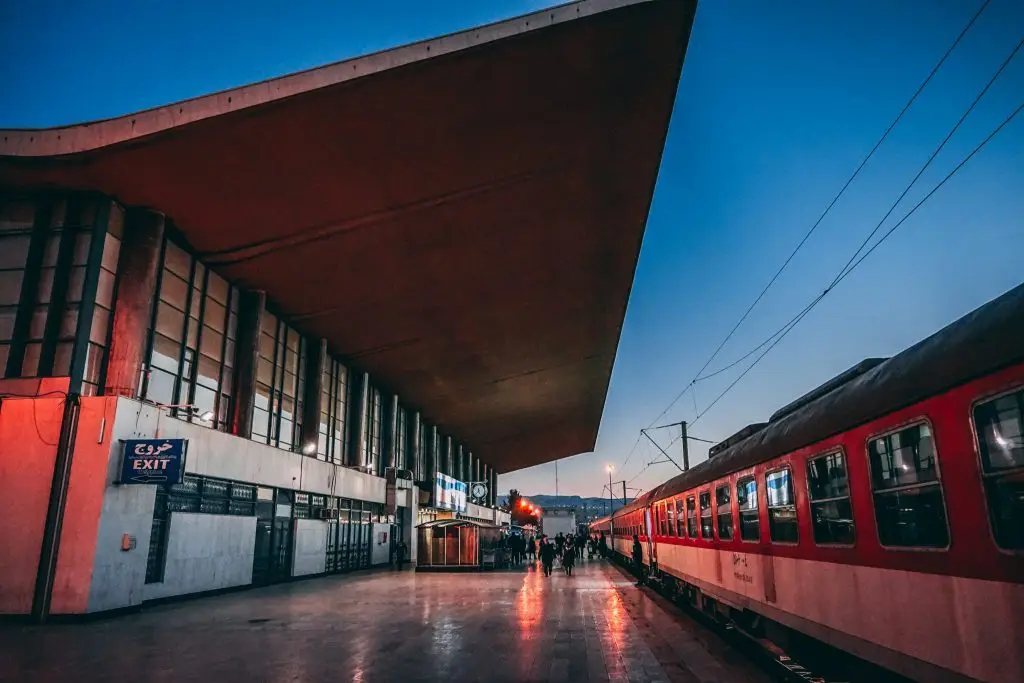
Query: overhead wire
[(825, 213), (847, 271)]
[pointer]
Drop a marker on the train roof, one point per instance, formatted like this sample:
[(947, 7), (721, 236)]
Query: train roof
[(981, 342)]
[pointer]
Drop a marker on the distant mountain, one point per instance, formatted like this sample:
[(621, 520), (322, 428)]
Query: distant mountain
[(586, 507)]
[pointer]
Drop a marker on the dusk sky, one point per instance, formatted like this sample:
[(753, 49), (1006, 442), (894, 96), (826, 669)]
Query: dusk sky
[(778, 103)]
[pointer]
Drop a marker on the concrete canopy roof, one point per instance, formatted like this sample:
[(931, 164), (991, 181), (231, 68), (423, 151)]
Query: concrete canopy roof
[(460, 217)]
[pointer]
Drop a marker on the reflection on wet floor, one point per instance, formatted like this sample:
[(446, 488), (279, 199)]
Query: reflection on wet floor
[(381, 626)]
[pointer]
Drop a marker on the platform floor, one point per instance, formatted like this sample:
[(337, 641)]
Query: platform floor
[(386, 626)]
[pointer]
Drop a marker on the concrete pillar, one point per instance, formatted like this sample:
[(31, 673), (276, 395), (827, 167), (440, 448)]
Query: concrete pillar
[(316, 364), (449, 464), (494, 487), (470, 472), (477, 470), (432, 455), (389, 427), (250, 312), (415, 446), (358, 404), (137, 268)]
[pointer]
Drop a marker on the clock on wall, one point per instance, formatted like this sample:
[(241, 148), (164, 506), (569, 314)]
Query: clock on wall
[(479, 490)]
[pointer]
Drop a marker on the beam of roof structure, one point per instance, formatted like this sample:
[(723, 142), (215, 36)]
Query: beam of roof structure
[(460, 217)]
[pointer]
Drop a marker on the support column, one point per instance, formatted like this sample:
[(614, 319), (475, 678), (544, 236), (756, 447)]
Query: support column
[(357, 419), (316, 362), (415, 451), (389, 442), (137, 269), (250, 312), (470, 473), (433, 455), (486, 477), (478, 474), (494, 487), (449, 468)]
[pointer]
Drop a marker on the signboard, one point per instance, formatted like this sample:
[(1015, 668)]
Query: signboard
[(449, 493), (153, 461)]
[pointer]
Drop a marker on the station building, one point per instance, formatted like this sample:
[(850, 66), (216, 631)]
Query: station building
[(351, 297)]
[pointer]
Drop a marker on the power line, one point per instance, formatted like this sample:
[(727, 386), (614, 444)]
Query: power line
[(827, 210), (846, 269), (844, 274)]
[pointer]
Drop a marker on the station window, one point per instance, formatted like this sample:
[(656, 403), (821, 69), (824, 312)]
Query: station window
[(707, 530), (680, 518), (402, 445), (280, 382), (373, 417), (47, 254), (782, 522), (333, 411), (828, 485), (746, 500), (723, 501), (691, 517), (192, 340), (909, 508), (999, 424)]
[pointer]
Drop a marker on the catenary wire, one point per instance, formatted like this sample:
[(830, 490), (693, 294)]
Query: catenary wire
[(827, 210)]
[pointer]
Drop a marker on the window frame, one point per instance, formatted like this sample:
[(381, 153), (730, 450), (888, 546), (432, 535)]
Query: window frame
[(987, 397), (741, 479), (839, 450), (711, 515), (898, 427), (768, 506), (727, 485), (694, 533)]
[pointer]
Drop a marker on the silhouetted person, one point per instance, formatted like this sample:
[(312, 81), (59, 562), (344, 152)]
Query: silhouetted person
[(602, 545), (559, 542), (568, 558), (531, 548), (547, 556), (638, 560), (401, 552)]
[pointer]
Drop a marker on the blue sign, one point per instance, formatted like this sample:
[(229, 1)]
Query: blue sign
[(153, 461)]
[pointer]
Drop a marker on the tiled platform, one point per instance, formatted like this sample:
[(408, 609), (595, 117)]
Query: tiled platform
[(497, 627)]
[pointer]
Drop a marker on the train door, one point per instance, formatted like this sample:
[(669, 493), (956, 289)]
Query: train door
[(649, 521)]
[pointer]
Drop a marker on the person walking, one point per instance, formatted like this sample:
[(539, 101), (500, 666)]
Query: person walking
[(547, 556), (568, 558), (638, 560), (559, 542), (401, 552), (581, 541), (602, 545)]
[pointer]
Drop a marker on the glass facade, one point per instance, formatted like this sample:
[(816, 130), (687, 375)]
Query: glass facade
[(57, 256), (280, 383), (191, 347), (333, 413)]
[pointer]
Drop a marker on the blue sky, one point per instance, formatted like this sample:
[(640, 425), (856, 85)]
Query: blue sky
[(777, 104)]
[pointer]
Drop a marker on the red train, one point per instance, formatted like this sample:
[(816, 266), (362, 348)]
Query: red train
[(882, 513)]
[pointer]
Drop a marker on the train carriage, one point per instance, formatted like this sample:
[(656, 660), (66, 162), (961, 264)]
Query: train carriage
[(883, 513)]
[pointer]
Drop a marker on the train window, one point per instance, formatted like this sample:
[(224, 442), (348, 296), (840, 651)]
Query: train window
[(999, 424), (662, 519), (724, 502), (909, 509), (680, 518), (746, 499), (706, 527), (670, 514), (691, 517), (782, 524), (829, 487)]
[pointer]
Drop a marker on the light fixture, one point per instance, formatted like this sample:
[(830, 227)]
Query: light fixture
[(610, 469), (207, 416), (309, 448)]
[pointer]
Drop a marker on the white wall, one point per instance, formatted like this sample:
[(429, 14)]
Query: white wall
[(310, 543), (118, 576), (380, 552), (217, 454), (479, 512), (206, 552)]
